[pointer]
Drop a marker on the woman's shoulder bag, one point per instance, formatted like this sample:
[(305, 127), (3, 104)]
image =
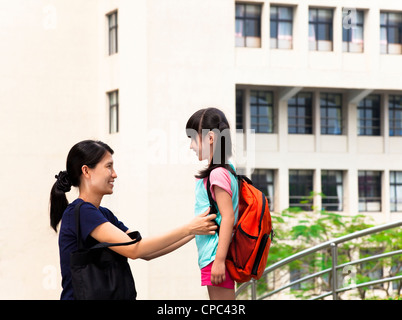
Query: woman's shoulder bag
[(99, 273)]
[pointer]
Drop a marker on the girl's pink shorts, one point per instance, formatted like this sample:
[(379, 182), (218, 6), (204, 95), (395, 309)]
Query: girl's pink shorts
[(206, 278)]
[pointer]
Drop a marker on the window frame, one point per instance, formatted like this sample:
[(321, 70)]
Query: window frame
[(393, 108), (308, 118), (387, 26), (304, 178), (270, 112), (350, 32), (277, 21), (113, 110), (325, 128), (113, 32), (362, 107), (240, 96), (393, 191), (327, 185), (316, 26), (261, 181), (244, 19), (371, 179)]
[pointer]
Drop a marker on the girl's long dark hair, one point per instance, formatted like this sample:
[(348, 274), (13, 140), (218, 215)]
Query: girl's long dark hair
[(87, 152), (212, 119)]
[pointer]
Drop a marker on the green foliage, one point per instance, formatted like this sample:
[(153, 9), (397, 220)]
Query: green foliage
[(297, 230)]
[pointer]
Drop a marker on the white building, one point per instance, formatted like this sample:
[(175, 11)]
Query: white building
[(130, 73)]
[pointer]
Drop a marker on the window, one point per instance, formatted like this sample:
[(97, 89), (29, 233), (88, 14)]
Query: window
[(239, 108), (352, 34), (320, 29), (300, 187), (369, 191), (396, 190), (331, 113), (262, 111), (248, 25), (264, 181), (281, 26), (368, 113), (332, 188), (113, 111), (300, 109), (390, 32), (112, 21), (395, 115)]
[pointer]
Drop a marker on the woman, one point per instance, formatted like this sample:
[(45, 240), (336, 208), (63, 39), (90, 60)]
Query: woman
[(90, 168)]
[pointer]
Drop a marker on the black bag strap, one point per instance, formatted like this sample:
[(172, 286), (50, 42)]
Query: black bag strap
[(80, 242), (212, 204), (136, 236)]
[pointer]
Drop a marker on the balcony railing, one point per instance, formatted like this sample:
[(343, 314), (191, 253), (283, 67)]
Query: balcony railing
[(333, 245)]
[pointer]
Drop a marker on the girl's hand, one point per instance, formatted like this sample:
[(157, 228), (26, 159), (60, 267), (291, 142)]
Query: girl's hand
[(218, 272), (203, 224)]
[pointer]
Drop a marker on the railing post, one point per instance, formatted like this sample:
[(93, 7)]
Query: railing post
[(253, 289), (334, 254)]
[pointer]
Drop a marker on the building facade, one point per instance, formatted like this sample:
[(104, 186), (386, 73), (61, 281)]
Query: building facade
[(319, 82), (320, 85)]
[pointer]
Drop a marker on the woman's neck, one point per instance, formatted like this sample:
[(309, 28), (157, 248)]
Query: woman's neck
[(91, 198)]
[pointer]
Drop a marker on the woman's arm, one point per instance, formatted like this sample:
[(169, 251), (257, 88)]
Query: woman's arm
[(225, 205), (169, 249), (147, 247)]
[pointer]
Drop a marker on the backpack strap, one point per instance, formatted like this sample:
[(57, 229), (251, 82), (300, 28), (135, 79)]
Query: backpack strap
[(136, 236), (212, 204)]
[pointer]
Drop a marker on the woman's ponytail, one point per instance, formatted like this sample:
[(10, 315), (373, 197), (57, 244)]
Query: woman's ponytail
[(58, 199)]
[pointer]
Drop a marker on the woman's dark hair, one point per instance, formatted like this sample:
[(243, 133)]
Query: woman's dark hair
[(212, 119), (87, 152)]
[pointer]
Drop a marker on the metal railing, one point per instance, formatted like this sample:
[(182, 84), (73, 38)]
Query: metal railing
[(333, 245)]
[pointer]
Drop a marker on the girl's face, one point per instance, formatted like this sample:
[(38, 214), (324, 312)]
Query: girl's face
[(203, 146), (103, 175)]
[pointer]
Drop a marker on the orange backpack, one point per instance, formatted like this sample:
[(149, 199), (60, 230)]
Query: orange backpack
[(252, 235)]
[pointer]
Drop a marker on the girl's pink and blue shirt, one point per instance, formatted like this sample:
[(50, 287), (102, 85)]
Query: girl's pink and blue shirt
[(221, 177)]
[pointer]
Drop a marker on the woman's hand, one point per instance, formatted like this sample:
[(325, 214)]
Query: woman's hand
[(203, 224), (218, 272)]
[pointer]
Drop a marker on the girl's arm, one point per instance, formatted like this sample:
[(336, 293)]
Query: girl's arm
[(147, 247), (225, 205)]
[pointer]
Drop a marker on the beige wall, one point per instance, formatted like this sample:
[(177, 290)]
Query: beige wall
[(48, 84)]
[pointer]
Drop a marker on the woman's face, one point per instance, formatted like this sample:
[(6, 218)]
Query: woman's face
[(103, 175)]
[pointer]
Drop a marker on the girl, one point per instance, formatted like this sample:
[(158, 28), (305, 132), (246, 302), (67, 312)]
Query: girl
[(210, 139), (90, 168)]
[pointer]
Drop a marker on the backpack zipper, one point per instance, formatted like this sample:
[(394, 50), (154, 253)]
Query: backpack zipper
[(246, 234), (260, 251)]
